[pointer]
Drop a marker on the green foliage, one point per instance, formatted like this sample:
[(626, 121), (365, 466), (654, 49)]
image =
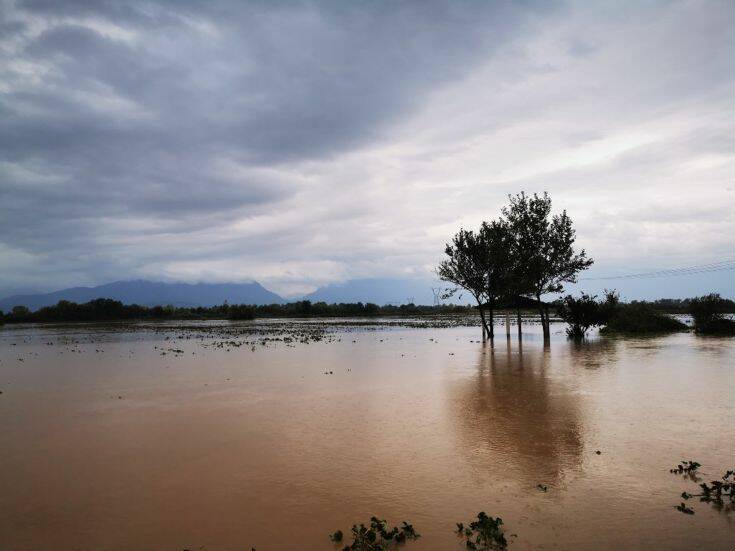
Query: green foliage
[(686, 467), (543, 245), (465, 266), (376, 537), (484, 533), (586, 311), (719, 493), (579, 313), (708, 315), (526, 252), (543, 254), (641, 318)]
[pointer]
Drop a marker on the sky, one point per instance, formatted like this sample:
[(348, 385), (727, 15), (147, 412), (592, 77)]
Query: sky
[(306, 143)]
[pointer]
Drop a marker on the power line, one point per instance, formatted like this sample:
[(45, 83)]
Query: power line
[(671, 272)]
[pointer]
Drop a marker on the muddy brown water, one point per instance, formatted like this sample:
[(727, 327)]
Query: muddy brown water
[(106, 443)]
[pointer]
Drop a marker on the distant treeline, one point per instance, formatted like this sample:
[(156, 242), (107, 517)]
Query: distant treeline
[(103, 309), (681, 305)]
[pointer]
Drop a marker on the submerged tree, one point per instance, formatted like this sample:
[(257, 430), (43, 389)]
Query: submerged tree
[(496, 240), (479, 262), (543, 253), (465, 269)]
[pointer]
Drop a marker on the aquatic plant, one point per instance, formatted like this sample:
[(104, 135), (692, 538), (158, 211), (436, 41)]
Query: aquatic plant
[(485, 533), (686, 467), (720, 493), (379, 536), (684, 509)]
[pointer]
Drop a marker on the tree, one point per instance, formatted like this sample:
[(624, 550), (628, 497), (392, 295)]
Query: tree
[(465, 268), (497, 243), (543, 253)]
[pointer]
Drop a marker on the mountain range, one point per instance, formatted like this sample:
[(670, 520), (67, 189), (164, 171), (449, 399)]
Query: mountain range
[(152, 293)]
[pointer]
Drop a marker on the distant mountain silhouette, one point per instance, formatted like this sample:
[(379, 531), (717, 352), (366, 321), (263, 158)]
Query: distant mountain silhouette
[(379, 291), (152, 293)]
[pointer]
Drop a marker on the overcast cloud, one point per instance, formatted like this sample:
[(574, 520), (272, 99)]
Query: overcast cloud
[(302, 143)]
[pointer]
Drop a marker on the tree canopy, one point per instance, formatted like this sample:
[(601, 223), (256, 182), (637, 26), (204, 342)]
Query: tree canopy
[(527, 252)]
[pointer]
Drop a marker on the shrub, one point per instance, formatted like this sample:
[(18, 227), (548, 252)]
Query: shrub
[(708, 315), (376, 537), (586, 311), (642, 318), (485, 533), (580, 313)]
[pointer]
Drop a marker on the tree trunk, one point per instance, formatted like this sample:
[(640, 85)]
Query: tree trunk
[(518, 315), (544, 319), (492, 321), (485, 330)]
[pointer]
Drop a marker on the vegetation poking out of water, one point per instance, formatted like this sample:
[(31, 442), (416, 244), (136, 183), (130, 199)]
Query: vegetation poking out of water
[(582, 313), (641, 318), (586, 312), (708, 315), (719, 493), (378, 536), (686, 467), (485, 533)]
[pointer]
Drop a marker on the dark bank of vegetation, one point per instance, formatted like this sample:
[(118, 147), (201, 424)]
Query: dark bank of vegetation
[(641, 318), (103, 309), (584, 312), (684, 305), (112, 310), (708, 313)]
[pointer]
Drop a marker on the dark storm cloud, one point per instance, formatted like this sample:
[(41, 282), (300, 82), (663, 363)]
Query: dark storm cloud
[(164, 114), (300, 143)]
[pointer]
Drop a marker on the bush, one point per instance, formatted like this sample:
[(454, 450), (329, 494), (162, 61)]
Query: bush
[(585, 312), (642, 318), (708, 315), (580, 313)]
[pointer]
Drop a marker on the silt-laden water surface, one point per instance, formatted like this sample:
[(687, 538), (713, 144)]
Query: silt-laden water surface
[(164, 437)]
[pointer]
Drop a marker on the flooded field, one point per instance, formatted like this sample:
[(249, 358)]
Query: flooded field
[(227, 437)]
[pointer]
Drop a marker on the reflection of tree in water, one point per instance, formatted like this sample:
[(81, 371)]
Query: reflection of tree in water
[(512, 419), (594, 353)]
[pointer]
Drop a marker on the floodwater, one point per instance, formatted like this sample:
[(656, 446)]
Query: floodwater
[(108, 443)]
